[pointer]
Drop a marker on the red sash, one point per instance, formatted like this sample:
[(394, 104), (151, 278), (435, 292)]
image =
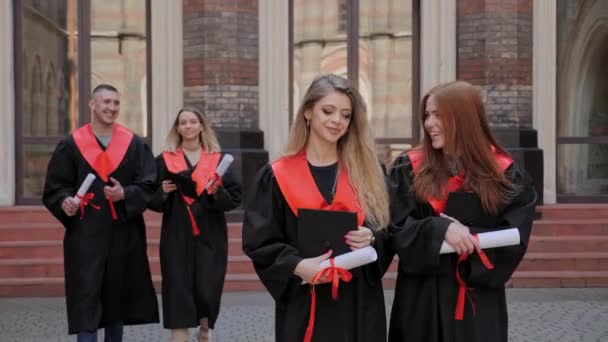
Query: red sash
[(296, 183), (202, 174), (103, 162), (454, 183)]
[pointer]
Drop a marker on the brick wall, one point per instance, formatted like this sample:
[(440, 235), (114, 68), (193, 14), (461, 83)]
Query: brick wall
[(221, 60), (495, 53)]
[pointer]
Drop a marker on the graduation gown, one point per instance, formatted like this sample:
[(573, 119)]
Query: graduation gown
[(107, 275), (426, 290), (269, 237), (194, 267)]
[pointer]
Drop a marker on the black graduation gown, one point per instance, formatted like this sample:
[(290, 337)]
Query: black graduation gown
[(426, 289), (107, 274), (269, 237), (194, 267)]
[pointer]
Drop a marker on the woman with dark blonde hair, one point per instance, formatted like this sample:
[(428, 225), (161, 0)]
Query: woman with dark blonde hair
[(330, 165), (457, 183), (193, 242)]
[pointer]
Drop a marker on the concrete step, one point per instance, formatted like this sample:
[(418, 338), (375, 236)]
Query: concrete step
[(53, 267), (574, 211), (574, 243), (572, 261), (54, 249), (33, 231), (553, 279), (54, 286), (590, 226)]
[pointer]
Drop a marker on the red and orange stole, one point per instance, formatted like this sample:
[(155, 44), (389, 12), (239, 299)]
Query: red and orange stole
[(104, 163), (202, 174)]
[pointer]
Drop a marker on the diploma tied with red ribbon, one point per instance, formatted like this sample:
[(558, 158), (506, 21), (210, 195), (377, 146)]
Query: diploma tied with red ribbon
[(227, 159), (498, 238), (82, 197)]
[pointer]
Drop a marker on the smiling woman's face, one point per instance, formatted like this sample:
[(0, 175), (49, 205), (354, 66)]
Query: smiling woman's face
[(433, 125)]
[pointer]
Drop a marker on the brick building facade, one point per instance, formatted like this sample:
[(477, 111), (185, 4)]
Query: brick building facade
[(235, 61)]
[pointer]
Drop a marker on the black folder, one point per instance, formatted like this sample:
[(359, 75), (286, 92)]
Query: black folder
[(184, 182), (322, 230)]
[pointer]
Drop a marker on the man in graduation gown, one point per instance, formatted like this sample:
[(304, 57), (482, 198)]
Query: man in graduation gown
[(107, 276), (426, 301)]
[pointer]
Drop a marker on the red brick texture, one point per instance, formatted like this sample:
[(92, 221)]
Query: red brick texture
[(221, 60), (495, 54)]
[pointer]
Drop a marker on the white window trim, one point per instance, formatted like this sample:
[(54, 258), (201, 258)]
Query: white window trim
[(167, 68), (544, 99), (7, 106)]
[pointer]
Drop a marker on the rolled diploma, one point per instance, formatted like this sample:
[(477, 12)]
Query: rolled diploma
[(352, 259), (222, 167), (84, 187), (499, 238)]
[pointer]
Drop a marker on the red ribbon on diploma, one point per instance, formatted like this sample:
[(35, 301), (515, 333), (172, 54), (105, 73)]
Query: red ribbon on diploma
[(334, 274), (86, 200), (189, 201), (216, 182), (462, 290)]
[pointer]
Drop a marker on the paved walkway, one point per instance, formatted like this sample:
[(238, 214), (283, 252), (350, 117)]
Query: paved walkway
[(537, 315)]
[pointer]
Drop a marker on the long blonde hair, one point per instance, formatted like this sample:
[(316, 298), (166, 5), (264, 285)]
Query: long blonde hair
[(356, 149), (206, 137)]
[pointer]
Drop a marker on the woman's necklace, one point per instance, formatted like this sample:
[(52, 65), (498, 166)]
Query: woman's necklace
[(333, 188)]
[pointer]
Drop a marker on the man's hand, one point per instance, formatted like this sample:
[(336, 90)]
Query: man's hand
[(115, 192), (70, 206)]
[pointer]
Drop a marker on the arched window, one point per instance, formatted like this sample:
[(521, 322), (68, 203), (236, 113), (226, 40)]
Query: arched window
[(375, 44)]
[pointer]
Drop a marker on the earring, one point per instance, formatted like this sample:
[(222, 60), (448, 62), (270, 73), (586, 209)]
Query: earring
[(307, 122)]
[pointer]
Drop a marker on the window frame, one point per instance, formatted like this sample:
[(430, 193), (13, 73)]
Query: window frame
[(83, 27), (352, 47)]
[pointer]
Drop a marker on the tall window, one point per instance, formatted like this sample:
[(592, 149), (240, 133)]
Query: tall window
[(64, 48), (375, 44), (582, 120)]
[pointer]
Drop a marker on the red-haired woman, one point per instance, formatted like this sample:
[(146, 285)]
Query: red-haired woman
[(459, 170)]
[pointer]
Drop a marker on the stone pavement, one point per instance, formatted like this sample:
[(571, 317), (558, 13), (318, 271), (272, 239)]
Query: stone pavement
[(537, 315)]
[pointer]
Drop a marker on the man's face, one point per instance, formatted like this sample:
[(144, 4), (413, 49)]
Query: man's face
[(105, 106)]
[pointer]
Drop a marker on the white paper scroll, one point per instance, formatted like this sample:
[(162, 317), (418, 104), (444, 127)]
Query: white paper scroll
[(350, 260), (353, 259), (222, 167), (84, 187), (499, 238)]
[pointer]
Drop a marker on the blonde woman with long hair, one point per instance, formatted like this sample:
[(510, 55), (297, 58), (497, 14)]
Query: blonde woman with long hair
[(193, 242), (329, 164)]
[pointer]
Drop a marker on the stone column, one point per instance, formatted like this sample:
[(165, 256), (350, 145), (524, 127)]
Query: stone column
[(7, 106), (221, 76), (495, 54)]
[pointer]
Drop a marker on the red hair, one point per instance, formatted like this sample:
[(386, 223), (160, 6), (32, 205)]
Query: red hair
[(468, 138)]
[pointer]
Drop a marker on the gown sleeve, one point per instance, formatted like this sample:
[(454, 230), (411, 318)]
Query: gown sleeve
[(159, 199), (416, 233), (140, 191), (264, 235), (60, 181), (518, 214)]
